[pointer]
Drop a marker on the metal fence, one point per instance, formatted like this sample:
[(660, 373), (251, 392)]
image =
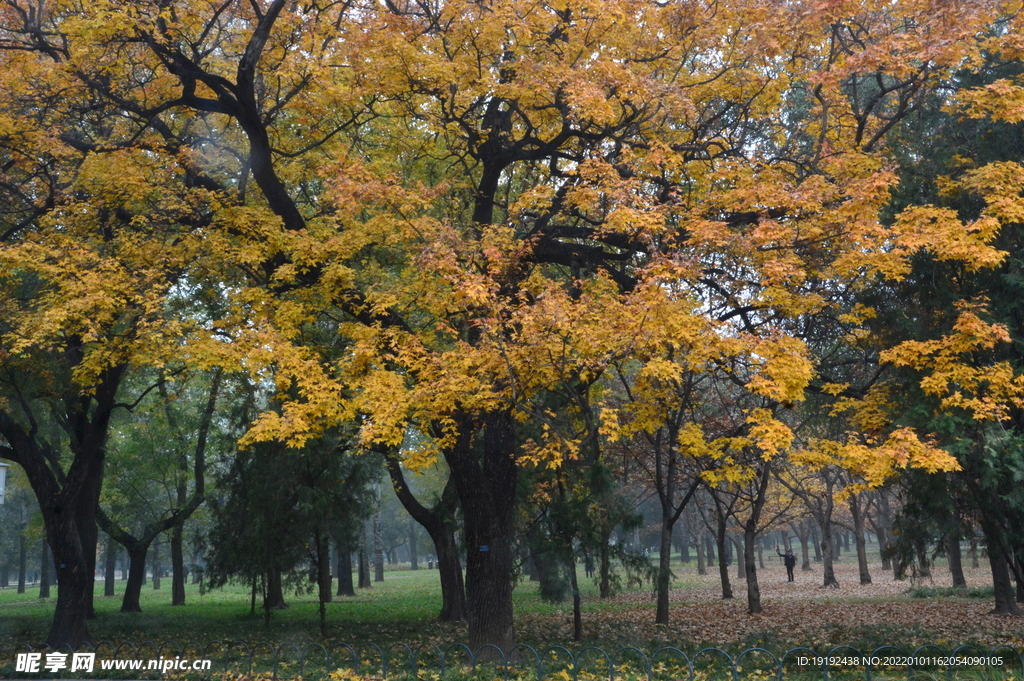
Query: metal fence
[(592, 663)]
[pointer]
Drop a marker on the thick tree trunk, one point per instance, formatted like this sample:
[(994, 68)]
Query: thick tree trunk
[(1004, 593), (274, 598), (344, 558), (44, 570), (956, 568), (137, 553), (858, 533), (486, 476), (110, 568), (177, 566)]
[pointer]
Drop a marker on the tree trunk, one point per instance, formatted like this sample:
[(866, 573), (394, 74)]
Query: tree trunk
[(137, 553), (413, 555), (323, 576), (802, 531), (740, 552), (723, 566), (577, 611), (344, 558), (177, 566), (453, 591), (974, 550), (110, 567), (274, 598), (22, 561), (750, 539), (827, 547), (956, 568), (749, 561), (486, 476), (664, 569), (364, 560), (44, 570), (378, 546), (156, 565), (606, 570), (858, 533), (1004, 595), (816, 543), (439, 522), (702, 568)]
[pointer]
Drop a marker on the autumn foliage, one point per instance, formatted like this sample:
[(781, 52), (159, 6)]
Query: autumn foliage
[(599, 220)]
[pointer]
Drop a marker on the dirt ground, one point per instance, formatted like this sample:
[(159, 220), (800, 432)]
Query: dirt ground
[(798, 613)]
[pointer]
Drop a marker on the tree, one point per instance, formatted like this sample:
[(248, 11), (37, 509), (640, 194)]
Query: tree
[(166, 455)]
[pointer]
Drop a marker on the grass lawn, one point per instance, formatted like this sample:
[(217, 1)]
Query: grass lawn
[(403, 607)]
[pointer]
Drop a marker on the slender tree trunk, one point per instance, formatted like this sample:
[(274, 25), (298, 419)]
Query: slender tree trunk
[(364, 560), (740, 553), (453, 590), (577, 610), (606, 570), (110, 568), (723, 566), (858, 532), (750, 539), (323, 574), (178, 566), (816, 543), (156, 564), (803, 534), (378, 546), (956, 568), (413, 555), (702, 568), (22, 562), (44, 570), (974, 550), (664, 569), (344, 557), (439, 522)]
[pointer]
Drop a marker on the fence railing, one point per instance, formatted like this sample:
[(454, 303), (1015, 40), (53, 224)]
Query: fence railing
[(592, 663)]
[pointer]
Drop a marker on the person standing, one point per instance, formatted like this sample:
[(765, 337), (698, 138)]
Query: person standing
[(790, 561)]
